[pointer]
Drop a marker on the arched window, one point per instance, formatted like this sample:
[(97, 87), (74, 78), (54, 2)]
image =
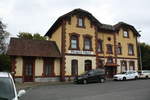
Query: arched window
[(88, 65), (74, 67)]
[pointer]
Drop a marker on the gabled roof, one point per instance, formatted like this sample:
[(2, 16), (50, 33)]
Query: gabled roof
[(67, 16), (107, 27), (94, 21), (125, 25), (36, 48)]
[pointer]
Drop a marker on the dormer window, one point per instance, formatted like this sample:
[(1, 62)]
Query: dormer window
[(80, 22), (125, 34)]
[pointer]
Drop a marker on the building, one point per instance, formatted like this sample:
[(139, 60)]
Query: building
[(83, 43)]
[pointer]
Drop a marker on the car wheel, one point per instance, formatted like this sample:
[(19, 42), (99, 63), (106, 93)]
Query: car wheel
[(124, 78), (146, 77), (102, 80), (84, 81), (136, 78)]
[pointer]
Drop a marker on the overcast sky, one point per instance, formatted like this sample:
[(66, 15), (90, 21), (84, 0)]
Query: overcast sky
[(37, 16)]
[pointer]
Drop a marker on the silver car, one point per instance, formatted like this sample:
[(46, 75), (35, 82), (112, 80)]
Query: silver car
[(7, 88)]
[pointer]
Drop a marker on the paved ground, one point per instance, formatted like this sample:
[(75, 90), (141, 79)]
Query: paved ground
[(111, 90)]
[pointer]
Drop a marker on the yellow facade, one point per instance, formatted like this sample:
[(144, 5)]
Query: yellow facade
[(38, 67), (125, 41), (57, 67), (19, 66), (104, 37), (72, 28), (81, 60), (56, 36)]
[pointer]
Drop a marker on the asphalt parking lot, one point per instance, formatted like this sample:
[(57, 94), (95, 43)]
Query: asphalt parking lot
[(110, 90)]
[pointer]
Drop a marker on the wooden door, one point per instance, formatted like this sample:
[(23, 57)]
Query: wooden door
[(28, 69)]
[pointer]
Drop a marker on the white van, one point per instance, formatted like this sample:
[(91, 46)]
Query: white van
[(7, 88)]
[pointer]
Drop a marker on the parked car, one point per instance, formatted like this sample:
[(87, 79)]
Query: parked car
[(126, 75), (7, 88), (95, 75), (144, 74)]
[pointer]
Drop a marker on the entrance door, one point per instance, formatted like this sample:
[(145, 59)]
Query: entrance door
[(28, 69), (110, 71)]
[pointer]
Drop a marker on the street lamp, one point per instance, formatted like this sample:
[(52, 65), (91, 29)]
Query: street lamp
[(140, 52)]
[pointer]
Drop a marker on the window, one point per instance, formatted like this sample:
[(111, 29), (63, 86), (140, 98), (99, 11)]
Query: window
[(87, 43), (109, 38), (119, 49), (131, 65), (123, 66), (110, 60), (80, 22), (88, 65), (109, 49), (48, 67), (130, 49), (125, 34), (74, 67), (100, 46), (100, 63), (74, 41)]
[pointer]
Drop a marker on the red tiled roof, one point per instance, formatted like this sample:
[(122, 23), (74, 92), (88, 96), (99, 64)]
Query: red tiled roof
[(29, 47)]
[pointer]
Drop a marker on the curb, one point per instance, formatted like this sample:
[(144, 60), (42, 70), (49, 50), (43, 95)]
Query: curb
[(28, 86)]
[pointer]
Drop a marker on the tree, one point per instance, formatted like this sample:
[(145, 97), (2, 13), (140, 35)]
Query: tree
[(37, 36), (5, 63), (3, 36), (27, 35), (145, 55), (4, 59)]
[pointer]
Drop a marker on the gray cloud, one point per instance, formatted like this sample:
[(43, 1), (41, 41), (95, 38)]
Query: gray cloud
[(38, 15)]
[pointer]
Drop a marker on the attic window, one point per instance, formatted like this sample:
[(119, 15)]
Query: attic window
[(80, 22), (125, 34)]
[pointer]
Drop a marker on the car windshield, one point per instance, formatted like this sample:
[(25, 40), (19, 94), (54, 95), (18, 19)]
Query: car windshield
[(6, 89), (123, 73)]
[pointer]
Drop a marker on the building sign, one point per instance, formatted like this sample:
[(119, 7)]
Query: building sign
[(80, 52)]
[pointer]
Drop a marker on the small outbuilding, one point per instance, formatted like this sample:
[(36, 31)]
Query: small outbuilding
[(34, 60)]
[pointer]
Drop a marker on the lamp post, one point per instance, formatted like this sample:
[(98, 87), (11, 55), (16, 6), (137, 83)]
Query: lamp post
[(140, 52)]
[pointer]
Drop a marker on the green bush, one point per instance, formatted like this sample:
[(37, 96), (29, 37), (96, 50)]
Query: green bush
[(5, 64)]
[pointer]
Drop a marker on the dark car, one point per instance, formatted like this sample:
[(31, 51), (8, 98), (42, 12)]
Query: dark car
[(95, 75)]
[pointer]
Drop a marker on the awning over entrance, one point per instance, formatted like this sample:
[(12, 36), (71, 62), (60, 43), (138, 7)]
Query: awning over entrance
[(111, 65)]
